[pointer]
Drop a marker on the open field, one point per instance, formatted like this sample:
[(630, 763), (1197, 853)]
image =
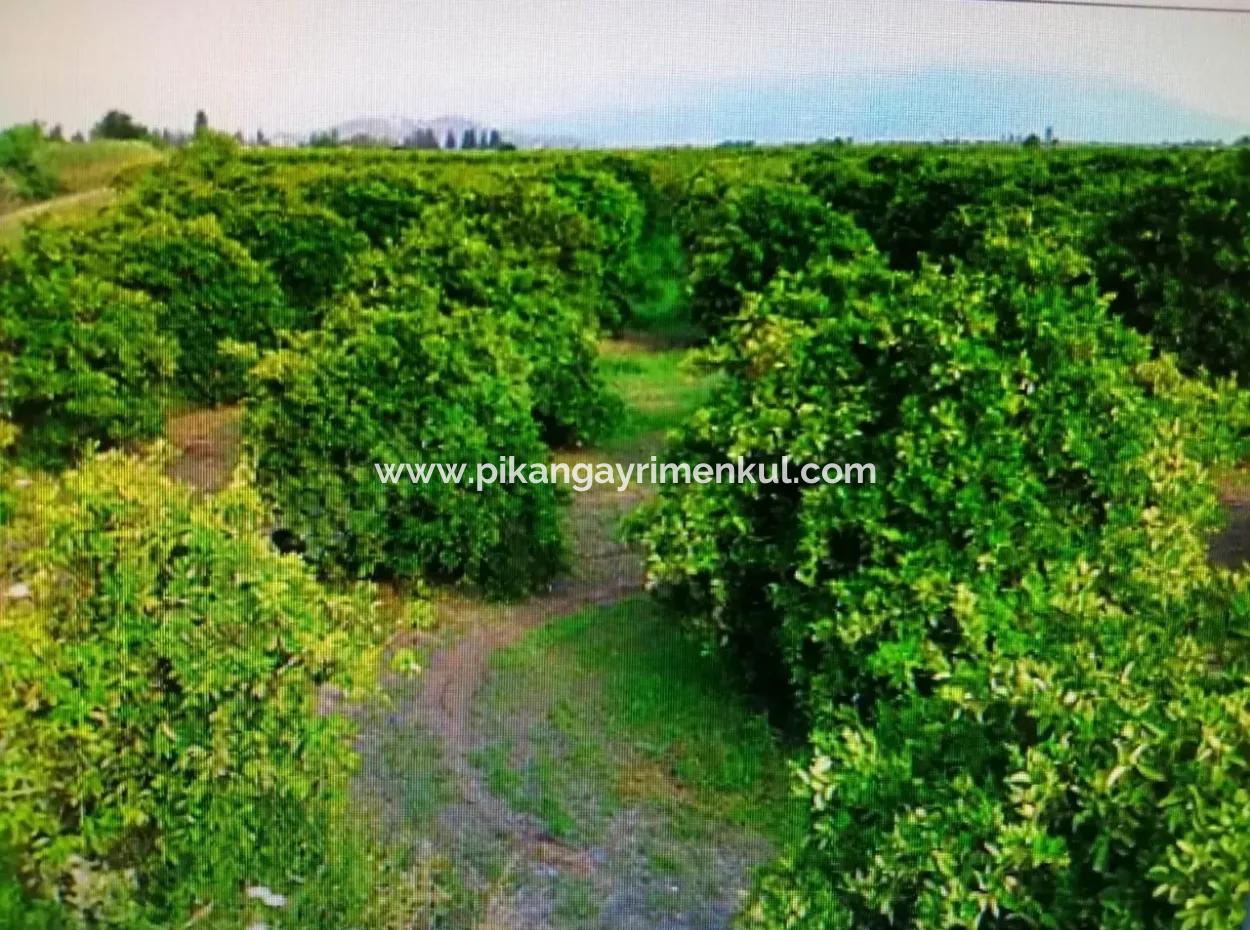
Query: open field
[(83, 175), (87, 166)]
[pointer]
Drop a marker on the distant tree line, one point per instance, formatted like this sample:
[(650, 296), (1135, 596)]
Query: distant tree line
[(471, 139), (118, 124), (425, 138)]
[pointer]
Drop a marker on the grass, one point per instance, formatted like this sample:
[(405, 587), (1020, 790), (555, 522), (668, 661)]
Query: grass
[(574, 901), (89, 165), (84, 173), (532, 785), (429, 788), (658, 392), (626, 742), (646, 366), (660, 311), (632, 712)]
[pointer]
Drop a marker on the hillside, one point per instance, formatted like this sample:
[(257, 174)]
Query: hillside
[(86, 166), (82, 174)]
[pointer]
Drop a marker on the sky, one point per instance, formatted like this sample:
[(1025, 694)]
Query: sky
[(295, 65)]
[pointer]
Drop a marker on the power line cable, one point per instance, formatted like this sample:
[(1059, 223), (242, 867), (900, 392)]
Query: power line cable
[(1128, 5)]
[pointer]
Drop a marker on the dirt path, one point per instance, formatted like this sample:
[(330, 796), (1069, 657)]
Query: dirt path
[(11, 223), (443, 708), (605, 572), (205, 446), (425, 752)]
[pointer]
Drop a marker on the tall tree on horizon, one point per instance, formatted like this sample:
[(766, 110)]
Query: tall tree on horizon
[(422, 139), (201, 122), (117, 124), (324, 139)]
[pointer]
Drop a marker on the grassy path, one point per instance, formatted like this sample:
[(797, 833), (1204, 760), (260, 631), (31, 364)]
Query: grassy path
[(488, 836), (69, 205), (571, 760)]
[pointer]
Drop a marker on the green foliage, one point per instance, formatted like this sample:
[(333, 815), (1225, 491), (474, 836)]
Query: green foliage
[(908, 201), (163, 748), (381, 204), (740, 238), (660, 306), (1175, 251), (1025, 693), (550, 260), (308, 248), (618, 216), (211, 288), (197, 179), (116, 124), (1167, 232), (551, 334), (558, 225), (82, 361), (1025, 688), (19, 161), (415, 384)]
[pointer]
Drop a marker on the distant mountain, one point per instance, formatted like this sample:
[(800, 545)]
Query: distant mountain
[(927, 105), (287, 139)]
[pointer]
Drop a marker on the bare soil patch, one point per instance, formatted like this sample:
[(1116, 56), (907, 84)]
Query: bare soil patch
[(206, 445)]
